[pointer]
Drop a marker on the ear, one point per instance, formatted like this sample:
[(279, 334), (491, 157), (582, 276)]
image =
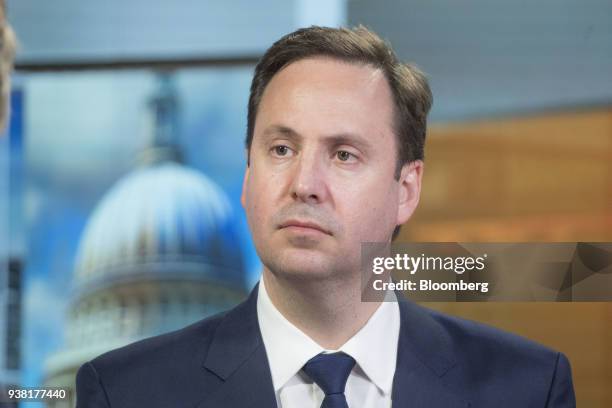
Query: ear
[(409, 190), (244, 184)]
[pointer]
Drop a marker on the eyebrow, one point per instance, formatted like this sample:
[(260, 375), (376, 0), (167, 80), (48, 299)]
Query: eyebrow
[(335, 139), (282, 130)]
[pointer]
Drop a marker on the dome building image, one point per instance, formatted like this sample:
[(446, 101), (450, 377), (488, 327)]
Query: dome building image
[(158, 253)]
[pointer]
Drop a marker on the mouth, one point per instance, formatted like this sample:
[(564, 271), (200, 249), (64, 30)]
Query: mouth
[(303, 227)]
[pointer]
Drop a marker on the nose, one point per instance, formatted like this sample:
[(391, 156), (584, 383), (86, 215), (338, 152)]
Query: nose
[(309, 179)]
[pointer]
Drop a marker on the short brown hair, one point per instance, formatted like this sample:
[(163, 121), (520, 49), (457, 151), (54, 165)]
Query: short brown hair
[(411, 93)]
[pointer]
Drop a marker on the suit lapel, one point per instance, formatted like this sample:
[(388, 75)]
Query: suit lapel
[(424, 358), (237, 356)]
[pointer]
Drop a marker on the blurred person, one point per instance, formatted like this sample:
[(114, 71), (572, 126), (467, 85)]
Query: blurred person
[(7, 54), (335, 138)]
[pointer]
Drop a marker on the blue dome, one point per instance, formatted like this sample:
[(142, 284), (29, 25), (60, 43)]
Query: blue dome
[(164, 220)]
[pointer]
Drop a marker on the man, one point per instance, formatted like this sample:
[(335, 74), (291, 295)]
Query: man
[(336, 130), (7, 54)]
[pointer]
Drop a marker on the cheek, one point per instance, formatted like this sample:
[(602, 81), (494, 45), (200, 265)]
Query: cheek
[(254, 195), (369, 210), (260, 196)]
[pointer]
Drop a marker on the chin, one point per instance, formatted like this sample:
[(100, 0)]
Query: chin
[(304, 242), (302, 264)]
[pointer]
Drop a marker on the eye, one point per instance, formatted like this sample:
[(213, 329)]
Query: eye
[(344, 156), (281, 150)]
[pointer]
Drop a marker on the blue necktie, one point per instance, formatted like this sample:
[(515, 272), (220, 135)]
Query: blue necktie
[(330, 372)]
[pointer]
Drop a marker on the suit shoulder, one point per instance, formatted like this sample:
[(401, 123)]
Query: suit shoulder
[(173, 346), (489, 365), (157, 371), (490, 344)]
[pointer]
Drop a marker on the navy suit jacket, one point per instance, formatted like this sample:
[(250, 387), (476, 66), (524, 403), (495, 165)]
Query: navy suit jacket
[(221, 362)]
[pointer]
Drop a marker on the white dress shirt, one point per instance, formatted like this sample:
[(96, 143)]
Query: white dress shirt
[(374, 348)]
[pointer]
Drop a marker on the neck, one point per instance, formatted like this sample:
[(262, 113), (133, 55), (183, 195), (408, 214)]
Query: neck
[(329, 312)]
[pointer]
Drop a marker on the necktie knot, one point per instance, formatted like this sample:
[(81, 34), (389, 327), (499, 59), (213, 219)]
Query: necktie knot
[(330, 371)]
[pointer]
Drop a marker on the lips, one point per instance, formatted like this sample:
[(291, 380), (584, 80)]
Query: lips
[(305, 225)]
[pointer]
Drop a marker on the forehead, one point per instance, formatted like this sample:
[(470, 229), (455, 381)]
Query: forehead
[(324, 95)]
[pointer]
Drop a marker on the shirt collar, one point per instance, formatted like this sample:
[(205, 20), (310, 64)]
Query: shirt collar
[(287, 347), (374, 346)]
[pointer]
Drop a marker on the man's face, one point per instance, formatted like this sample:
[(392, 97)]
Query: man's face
[(322, 163)]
